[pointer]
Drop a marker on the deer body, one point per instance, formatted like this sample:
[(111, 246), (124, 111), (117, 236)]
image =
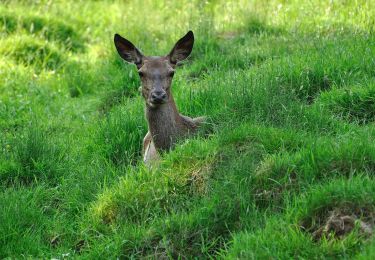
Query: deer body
[(165, 124), (162, 136)]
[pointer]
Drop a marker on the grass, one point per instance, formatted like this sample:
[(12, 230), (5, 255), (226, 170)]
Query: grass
[(290, 231), (289, 93)]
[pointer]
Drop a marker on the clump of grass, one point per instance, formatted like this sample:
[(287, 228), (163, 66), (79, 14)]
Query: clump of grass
[(368, 252), (79, 79), (306, 73), (213, 53), (305, 79), (255, 25), (55, 30), (23, 222), (204, 51), (32, 157), (121, 133), (114, 79), (272, 140), (31, 51), (199, 233), (284, 172), (121, 79), (48, 28), (8, 23), (353, 104)]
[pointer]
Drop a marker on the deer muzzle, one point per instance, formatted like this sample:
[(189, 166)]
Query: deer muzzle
[(158, 97)]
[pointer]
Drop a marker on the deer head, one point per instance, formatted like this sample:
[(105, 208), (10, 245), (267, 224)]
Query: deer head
[(155, 72)]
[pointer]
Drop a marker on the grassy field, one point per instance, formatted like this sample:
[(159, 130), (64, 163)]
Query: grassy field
[(284, 168)]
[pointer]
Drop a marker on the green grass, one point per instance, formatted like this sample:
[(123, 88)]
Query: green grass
[(288, 87)]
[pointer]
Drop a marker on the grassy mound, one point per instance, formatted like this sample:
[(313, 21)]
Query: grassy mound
[(162, 189)]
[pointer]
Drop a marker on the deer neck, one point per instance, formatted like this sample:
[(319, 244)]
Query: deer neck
[(164, 123)]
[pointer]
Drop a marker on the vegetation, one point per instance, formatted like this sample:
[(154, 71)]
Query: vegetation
[(284, 168)]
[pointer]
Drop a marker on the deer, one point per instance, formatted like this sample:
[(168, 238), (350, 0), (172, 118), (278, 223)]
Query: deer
[(166, 126)]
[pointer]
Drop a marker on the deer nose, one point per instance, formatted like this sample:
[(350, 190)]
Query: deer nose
[(158, 96)]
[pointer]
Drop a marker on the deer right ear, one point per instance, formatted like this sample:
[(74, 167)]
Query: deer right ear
[(182, 49), (128, 51)]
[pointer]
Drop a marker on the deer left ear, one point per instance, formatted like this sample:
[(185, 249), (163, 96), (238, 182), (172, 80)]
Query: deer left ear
[(127, 50), (182, 48)]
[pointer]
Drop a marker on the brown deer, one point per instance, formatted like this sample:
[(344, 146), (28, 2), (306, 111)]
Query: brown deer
[(165, 124)]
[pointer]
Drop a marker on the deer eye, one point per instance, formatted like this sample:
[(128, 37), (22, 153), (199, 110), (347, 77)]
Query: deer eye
[(171, 73), (140, 73)]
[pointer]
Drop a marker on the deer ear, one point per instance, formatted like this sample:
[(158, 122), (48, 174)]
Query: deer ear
[(182, 48), (127, 50)]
